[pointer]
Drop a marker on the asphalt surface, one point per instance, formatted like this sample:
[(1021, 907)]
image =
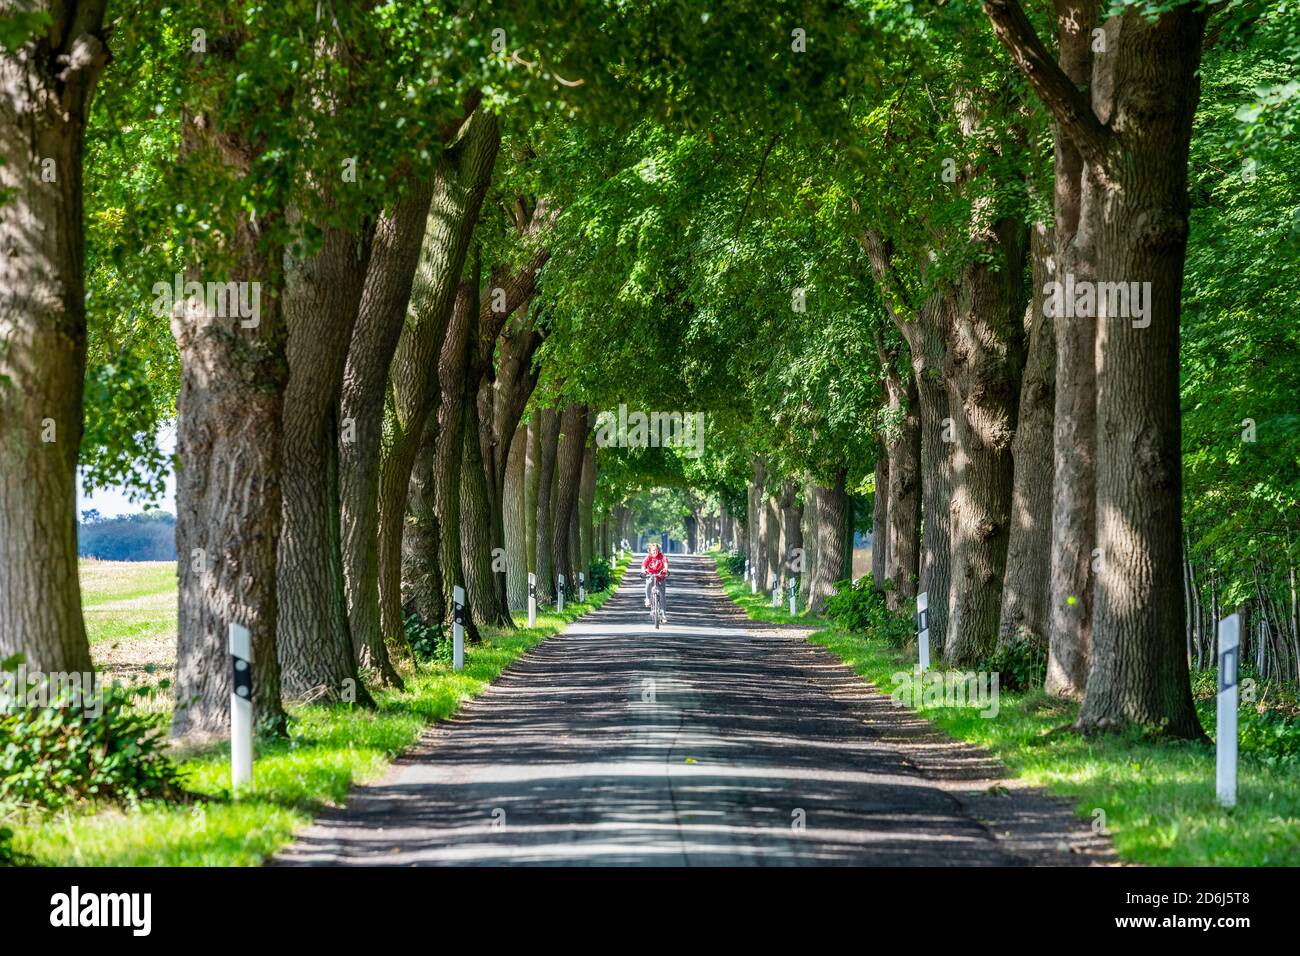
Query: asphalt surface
[(712, 741)]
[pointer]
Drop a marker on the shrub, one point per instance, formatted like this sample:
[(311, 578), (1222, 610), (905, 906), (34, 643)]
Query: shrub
[(6, 847), (599, 574), (858, 607), (734, 562), (1272, 735), (428, 643), (65, 751), (1021, 664)]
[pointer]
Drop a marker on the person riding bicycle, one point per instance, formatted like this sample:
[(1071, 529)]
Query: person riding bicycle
[(655, 567)]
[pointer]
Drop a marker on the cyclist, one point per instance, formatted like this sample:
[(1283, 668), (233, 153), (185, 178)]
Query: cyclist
[(655, 567)]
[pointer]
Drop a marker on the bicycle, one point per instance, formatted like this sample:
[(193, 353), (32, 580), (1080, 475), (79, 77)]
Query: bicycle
[(656, 602)]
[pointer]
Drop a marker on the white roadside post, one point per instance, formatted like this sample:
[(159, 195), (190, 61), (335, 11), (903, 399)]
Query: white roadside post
[(532, 599), (747, 569), (613, 559), (241, 706), (582, 586), (923, 628), (794, 590), (1226, 742), (458, 627), (559, 593), (776, 593)]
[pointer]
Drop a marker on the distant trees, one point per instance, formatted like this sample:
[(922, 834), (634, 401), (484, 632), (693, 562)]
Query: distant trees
[(150, 536)]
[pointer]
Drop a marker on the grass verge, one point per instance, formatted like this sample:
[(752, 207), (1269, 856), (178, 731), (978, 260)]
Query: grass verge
[(1155, 797), (330, 748)]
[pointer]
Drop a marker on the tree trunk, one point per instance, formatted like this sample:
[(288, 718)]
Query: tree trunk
[(476, 529), (811, 506), (532, 458), (460, 182), (880, 523), (45, 93), (568, 478), (515, 525), (422, 588), (1026, 591), (365, 377), (985, 357), (449, 444), (903, 513), (756, 522), (1137, 214), (834, 529), (548, 423), (586, 506), (322, 296), (1133, 137)]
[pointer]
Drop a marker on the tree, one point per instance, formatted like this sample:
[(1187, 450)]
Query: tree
[(51, 62)]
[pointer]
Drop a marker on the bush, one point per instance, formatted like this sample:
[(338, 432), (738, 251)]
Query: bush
[(1021, 664), (858, 607), (65, 751), (599, 574), (1272, 735), (428, 643), (6, 847), (734, 562)]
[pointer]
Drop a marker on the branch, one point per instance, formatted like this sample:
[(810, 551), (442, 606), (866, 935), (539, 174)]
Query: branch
[(1068, 106)]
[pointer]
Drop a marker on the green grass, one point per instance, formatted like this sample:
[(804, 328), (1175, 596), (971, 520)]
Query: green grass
[(1157, 795), (329, 749)]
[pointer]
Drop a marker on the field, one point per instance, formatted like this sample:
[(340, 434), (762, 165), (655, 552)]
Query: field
[(130, 611)]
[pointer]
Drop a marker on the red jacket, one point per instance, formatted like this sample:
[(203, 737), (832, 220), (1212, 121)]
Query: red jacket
[(655, 564)]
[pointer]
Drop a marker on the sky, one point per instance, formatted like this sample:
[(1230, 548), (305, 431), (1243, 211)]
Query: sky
[(113, 502)]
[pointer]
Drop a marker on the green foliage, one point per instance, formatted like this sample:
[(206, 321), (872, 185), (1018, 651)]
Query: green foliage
[(74, 749), (1271, 734), (1021, 665), (599, 574), (858, 607), (428, 643), (734, 562)]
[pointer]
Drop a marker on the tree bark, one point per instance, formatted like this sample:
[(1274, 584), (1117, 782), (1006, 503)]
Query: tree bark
[(985, 357), (45, 92), (422, 587), (548, 424), (516, 526), (572, 447), (811, 516), (1026, 589), (460, 182), (477, 534), (834, 520), (322, 295), (903, 511), (230, 451), (925, 329), (586, 504), (380, 316), (449, 442), (880, 523), (1133, 137)]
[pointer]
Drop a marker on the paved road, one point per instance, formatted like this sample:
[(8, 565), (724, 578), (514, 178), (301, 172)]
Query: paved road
[(711, 741)]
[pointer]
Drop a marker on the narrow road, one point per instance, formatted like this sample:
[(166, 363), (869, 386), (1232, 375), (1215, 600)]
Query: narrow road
[(713, 741)]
